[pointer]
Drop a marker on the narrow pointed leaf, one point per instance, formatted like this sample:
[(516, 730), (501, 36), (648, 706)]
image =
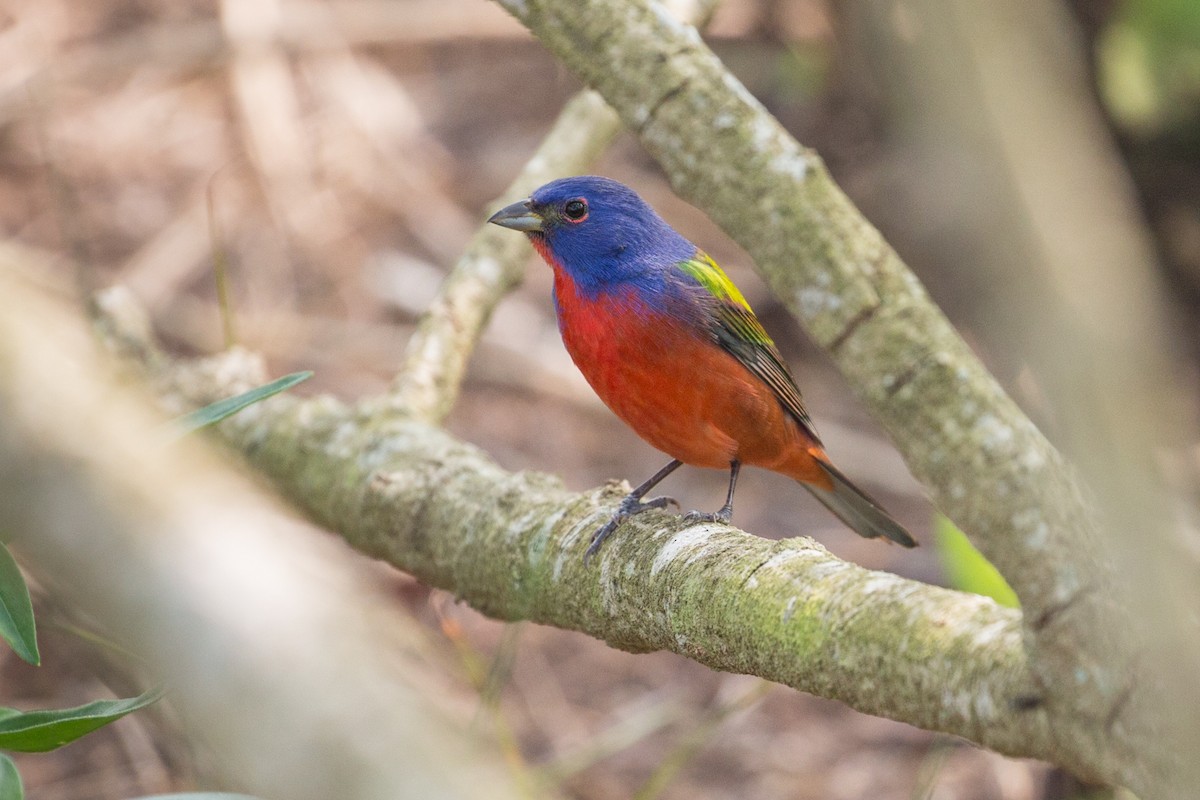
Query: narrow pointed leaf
[(16, 612), (39, 731), (967, 569), (10, 780), (215, 412)]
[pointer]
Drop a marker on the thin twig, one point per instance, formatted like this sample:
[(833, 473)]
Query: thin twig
[(493, 264), (696, 739)]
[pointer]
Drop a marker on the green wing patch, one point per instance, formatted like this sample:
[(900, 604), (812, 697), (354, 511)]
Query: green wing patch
[(706, 273), (740, 334)]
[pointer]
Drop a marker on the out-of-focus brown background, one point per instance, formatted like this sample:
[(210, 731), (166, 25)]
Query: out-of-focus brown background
[(337, 155)]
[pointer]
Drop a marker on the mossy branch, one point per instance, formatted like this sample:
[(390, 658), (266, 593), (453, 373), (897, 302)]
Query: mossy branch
[(511, 545)]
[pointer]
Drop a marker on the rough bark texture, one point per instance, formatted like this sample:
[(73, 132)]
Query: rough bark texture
[(986, 465), (511, 545)]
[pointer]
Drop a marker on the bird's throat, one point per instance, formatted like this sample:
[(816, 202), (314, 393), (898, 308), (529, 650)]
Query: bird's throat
[(538, 240)]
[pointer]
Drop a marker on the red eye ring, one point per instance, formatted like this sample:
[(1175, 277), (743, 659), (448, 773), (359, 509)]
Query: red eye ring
[(576, 210)]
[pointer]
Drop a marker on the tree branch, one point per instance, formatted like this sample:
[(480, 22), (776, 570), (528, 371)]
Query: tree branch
[(986, 465), (959, 432), (511, 545), (436, 356)]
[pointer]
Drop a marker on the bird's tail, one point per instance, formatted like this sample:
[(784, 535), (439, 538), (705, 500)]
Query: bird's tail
[(855, 508)]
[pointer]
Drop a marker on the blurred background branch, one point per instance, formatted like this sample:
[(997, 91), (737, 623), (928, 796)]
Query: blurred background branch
[(246, 615), (1071, 269), (436, 355)]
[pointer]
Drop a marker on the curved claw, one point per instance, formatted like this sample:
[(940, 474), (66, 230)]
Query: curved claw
[(630, 507), (600, 535), (653, 502)]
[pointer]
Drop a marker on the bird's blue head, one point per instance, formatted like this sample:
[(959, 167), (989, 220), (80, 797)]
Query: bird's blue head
[(599, 231)]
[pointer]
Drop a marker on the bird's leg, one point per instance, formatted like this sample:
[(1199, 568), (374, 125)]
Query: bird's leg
[(726, 511), (633, 505)]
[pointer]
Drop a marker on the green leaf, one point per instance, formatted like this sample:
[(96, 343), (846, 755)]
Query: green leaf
[(39, 731), (10, 780), (215, 412), (195, 796), (16, 612), (1148, 59), (967, 569)]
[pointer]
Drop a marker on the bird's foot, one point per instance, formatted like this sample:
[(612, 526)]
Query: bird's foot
[(724, 514), (631, 506)]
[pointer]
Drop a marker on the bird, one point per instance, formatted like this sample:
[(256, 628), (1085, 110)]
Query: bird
[(671, 346)]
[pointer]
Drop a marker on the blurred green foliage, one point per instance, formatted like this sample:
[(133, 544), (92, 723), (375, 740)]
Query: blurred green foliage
[(16, 611), (1148, 61), (48, 729), (966, 568)]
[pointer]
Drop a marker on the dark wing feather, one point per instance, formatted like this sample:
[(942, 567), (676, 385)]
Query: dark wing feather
[(739, 333)]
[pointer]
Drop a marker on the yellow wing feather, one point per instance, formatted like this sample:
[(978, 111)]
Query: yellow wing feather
[(739, 332)]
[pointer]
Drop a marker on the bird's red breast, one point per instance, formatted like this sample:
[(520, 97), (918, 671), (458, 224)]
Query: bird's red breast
[(675, 387)]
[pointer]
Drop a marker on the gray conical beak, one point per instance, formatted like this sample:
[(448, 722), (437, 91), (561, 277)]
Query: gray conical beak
[(519, 216)]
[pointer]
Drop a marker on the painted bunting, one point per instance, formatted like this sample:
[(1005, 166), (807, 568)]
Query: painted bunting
[(672, 347)]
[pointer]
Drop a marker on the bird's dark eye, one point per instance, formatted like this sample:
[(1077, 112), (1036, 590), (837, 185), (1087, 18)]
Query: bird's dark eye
[(576, 210)]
